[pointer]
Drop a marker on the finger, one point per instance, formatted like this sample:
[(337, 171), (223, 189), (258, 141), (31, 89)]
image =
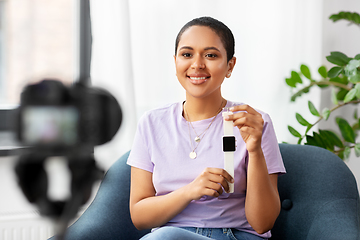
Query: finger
[(221, 182), (249, 121), (211, 192), (245, 115), (215, 187), (220, 177), (244, 107), (220, 172), (251, 132)]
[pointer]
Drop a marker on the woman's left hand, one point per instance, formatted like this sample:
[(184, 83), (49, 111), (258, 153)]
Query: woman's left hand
[(250, 124)]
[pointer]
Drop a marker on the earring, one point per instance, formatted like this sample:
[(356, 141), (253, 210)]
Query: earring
[(228, 75)]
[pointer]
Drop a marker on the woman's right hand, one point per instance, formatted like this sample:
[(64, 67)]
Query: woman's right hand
[(210, 182), (148, 210)]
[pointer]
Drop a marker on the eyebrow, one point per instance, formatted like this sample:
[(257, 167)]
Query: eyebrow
[(207, 48), (212, 48)]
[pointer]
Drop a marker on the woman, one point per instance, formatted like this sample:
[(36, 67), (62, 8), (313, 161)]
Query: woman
[(178, 183)]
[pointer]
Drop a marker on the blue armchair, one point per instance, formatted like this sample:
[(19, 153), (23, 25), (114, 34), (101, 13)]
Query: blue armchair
[(319, 198)]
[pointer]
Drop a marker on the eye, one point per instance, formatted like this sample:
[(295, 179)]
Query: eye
[(211, 55), (187, 55)]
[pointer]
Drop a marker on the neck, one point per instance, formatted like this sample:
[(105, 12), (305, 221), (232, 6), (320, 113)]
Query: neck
[(200, 109)]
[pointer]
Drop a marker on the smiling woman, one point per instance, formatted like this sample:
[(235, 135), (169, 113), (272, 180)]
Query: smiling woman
[(191, 192)]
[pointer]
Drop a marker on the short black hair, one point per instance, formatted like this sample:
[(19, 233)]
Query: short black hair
[(225, 34)]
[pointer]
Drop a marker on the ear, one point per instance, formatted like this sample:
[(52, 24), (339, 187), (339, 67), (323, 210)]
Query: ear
[(231, 65)]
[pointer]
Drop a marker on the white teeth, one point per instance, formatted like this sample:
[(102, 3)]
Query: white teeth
[(197, 78)]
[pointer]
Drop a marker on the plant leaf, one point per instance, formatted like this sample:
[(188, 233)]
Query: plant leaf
[(355, 78), (356, 114), (326, 140), (319, 141), (315, 140), (322, 71), (348, 16), (342, 80), (351, 68), (338, 58), (294, 132), (310, 141), (334, 99), (354, 63), (341, 94), (346, 130), (302, 120), (357, 57), (356, 127), (357, 87), (350, 95), (355, 17), (332, 137), (357, 149), (308, 128), (299, 93), (347, 152), (334, 72), (296, 77), (313, 109), (290, 82), (305, 71), (326, 113)]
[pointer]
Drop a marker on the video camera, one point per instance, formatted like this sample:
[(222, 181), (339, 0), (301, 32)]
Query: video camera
[(68, 121)]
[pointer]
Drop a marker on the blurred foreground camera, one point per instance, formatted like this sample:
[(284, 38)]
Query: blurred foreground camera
[(67, 121), (61, 119)]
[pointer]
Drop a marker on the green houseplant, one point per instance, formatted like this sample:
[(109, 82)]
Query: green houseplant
[(344, 80)]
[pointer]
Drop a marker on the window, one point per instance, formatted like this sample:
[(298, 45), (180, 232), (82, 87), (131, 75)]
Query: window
[(37, 40)]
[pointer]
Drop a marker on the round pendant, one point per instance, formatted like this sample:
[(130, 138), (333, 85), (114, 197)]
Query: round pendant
[(197, 139), (192, 155)]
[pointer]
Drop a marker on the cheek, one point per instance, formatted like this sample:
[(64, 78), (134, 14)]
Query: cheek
[(180, 67), (220, 69)]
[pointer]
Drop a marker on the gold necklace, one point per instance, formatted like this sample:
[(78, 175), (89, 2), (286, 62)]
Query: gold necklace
[(197, 139)]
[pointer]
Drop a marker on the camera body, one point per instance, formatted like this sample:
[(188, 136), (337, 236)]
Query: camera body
[(61, 120), (58, 120)]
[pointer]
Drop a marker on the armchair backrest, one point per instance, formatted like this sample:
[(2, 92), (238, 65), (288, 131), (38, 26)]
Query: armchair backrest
[(319, 196)]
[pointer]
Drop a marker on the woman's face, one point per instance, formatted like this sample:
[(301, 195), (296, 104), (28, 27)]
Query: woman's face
[(201, 62)]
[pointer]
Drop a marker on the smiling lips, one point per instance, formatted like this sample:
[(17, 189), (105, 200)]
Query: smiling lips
[(197, 80)]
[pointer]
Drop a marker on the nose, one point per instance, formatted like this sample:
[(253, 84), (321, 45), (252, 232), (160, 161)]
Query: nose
[(198, 63)]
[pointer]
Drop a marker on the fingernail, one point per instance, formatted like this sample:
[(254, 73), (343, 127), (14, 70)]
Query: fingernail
[(227, 117), (231, 109)]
